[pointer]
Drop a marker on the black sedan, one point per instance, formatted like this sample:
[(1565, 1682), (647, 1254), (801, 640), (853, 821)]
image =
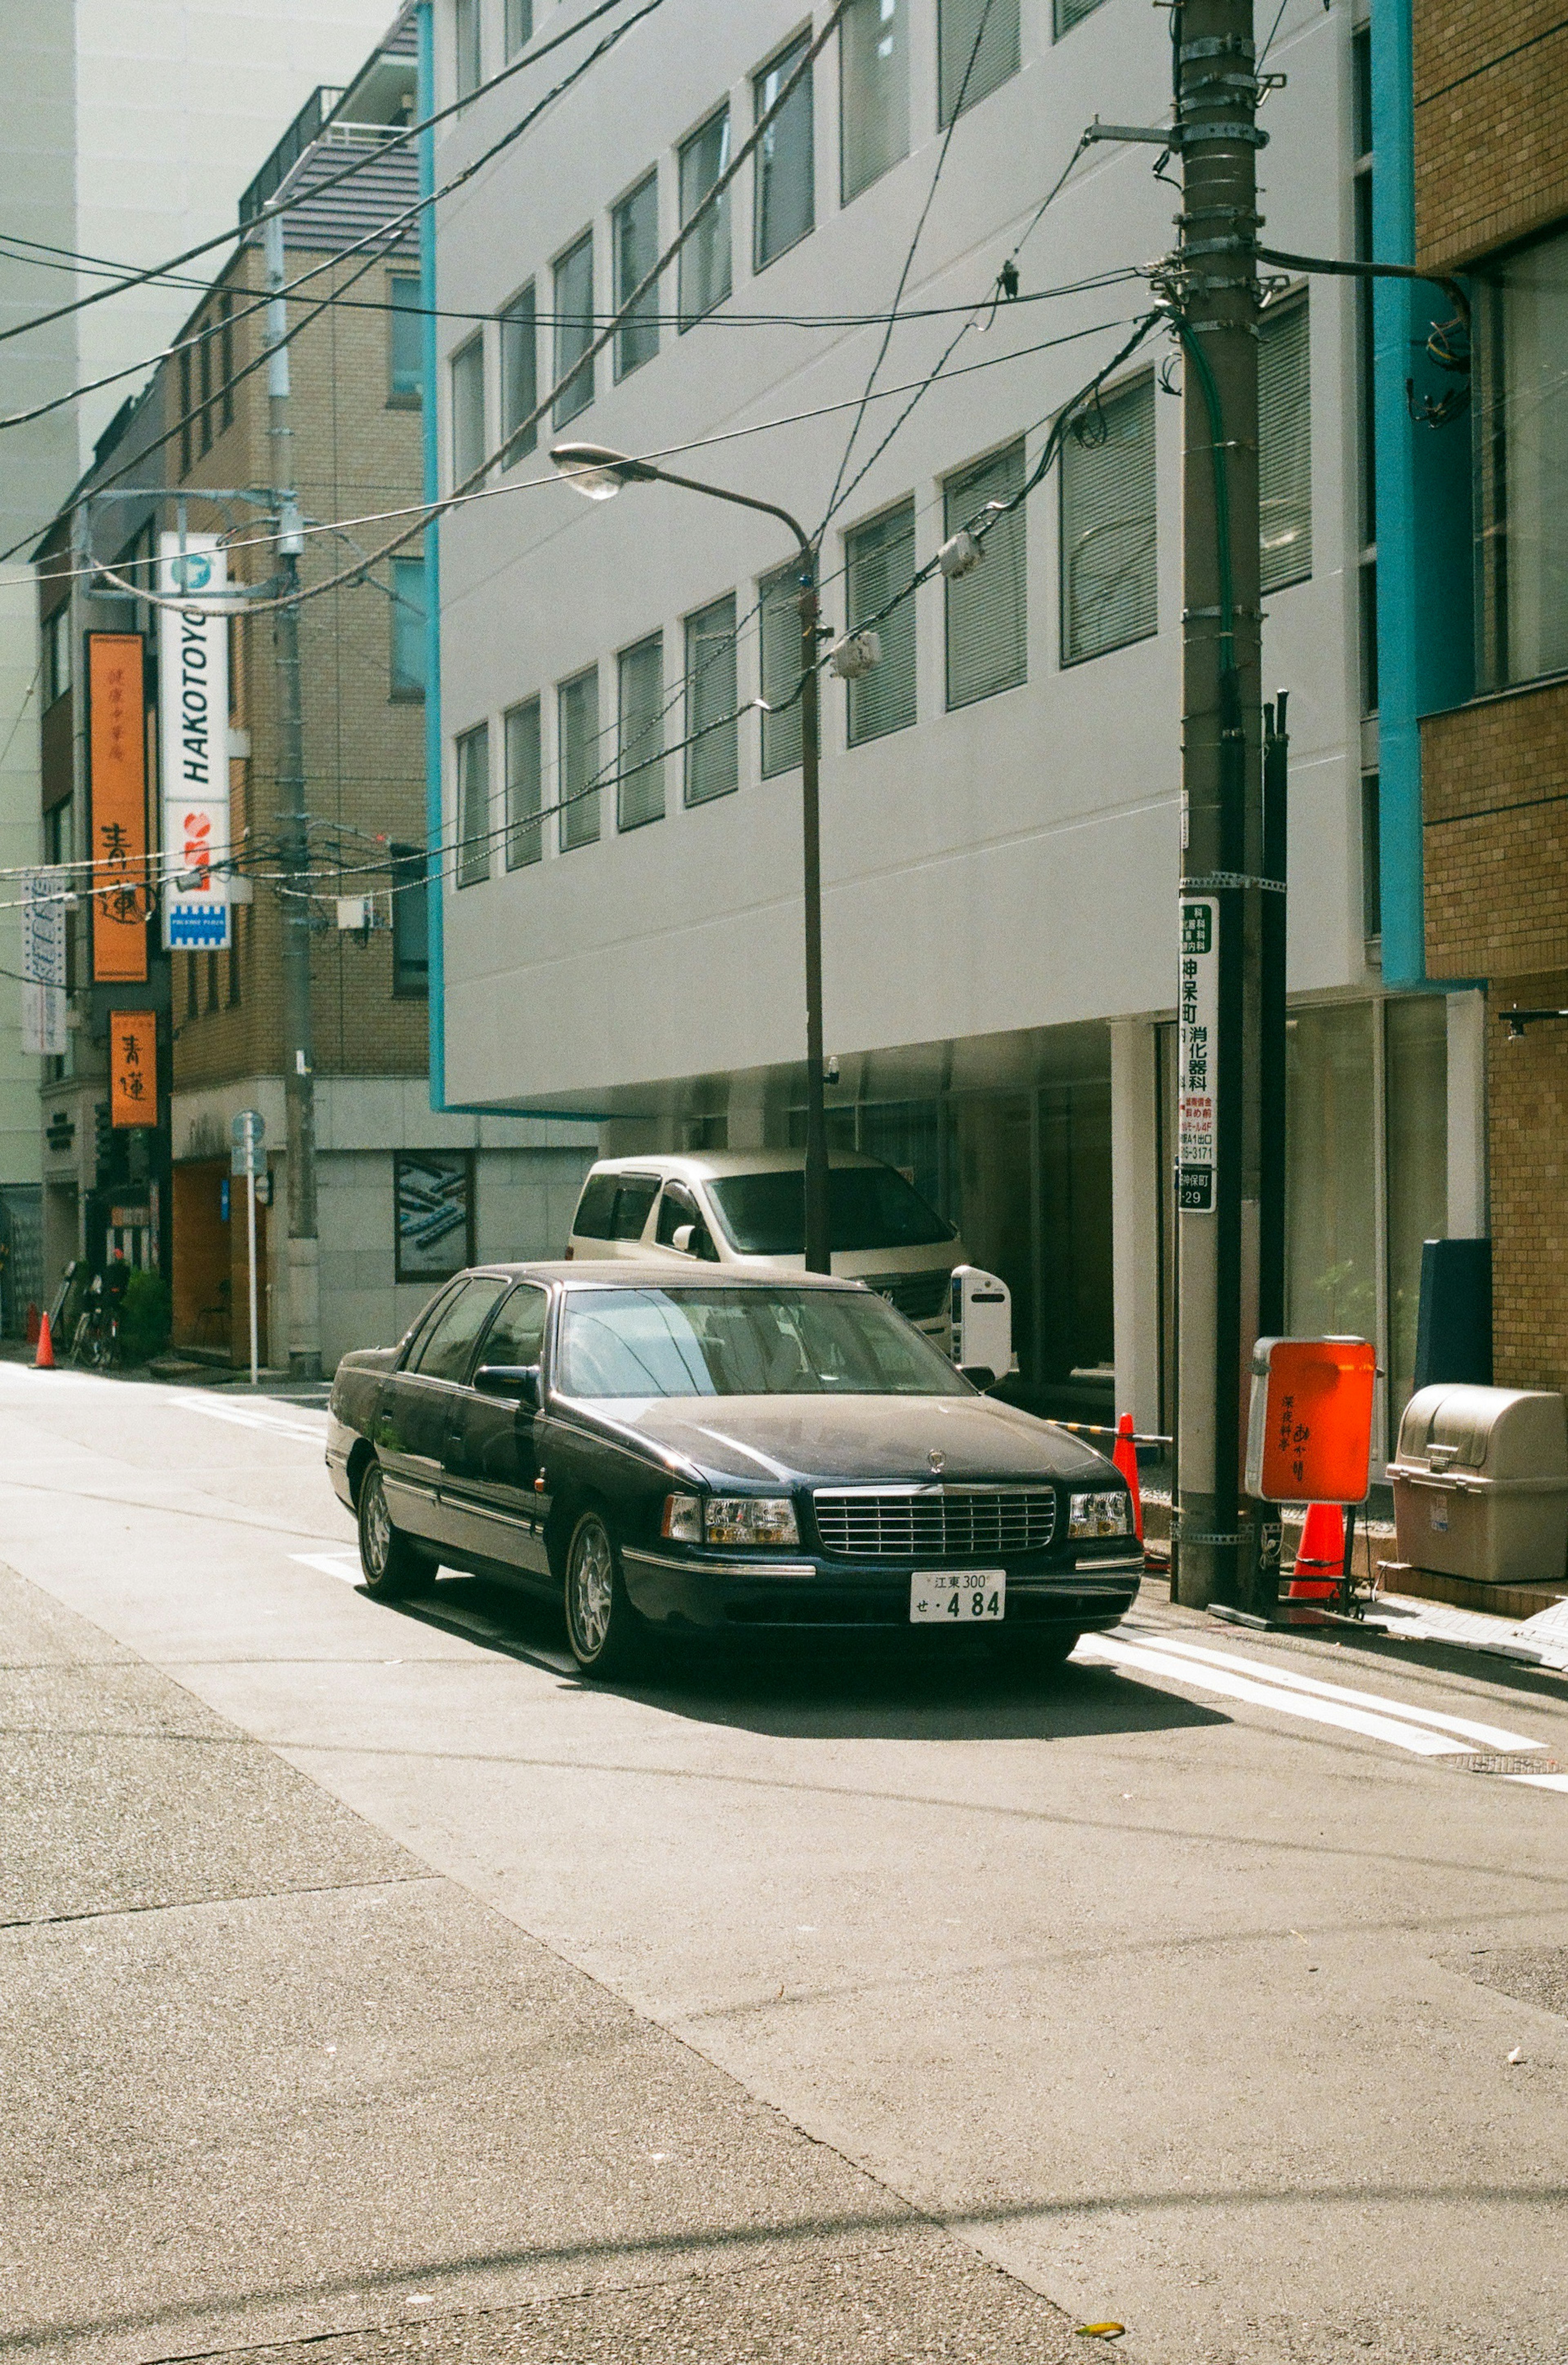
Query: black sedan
[(725, 1454)]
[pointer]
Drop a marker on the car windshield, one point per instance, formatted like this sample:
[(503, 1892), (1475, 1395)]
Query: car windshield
[(869, 1208), (744, 1342)]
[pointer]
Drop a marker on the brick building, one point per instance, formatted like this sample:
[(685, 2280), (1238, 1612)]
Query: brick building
[(404, 1195), (1490, 187)]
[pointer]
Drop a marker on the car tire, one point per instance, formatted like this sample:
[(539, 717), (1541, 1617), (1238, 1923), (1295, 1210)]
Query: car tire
[(391, 1565), (603, 1631)]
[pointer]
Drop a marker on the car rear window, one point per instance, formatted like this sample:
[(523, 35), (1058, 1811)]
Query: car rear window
[(870, 1208), (615, 1207)]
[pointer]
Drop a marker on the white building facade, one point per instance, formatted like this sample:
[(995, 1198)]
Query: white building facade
[(621, 907)]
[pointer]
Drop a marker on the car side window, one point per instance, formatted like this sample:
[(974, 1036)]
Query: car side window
[(421, 1327), (676, 1207), (517, 1334), (633, 1204), (443, 1353)]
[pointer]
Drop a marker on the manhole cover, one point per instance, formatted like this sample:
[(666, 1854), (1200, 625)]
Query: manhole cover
[(1505, 1760)]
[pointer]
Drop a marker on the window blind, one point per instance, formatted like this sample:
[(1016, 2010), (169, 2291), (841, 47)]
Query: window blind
[(634, 227), (525, 785), (712, 758), (1284, 443), (705, 257), (988, 616), (873, 91), (519, 375), (1109, 570), (1070, 13), (474, 806), (785, 194), (467, 410), (985, 30), (880, 558), (574, 329), (640, 788), (577, 740), (780, 616)]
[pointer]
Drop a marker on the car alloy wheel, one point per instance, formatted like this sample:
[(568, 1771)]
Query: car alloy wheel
[(600, 1621), (391, 1566)]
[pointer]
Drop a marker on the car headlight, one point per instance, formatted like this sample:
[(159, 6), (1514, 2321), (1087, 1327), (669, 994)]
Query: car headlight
[(682, 1518), (1109, 1514), (751, 1519)]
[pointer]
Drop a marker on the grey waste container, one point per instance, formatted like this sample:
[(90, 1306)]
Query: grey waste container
[(1481, 1484)]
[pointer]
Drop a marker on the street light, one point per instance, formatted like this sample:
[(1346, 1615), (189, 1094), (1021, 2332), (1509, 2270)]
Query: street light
[(600, 474)]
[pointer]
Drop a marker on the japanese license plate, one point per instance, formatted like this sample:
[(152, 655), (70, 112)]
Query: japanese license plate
[(957, 1597)]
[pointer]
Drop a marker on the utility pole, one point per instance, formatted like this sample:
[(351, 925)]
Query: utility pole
[(1220, 1075), (299, 1083), (818, 1235)]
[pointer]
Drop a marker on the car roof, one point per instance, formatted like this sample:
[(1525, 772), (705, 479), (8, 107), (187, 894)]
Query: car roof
[(645, 1272), (705, 1165)]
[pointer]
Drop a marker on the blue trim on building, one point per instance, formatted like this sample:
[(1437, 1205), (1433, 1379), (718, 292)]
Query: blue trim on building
[(1424, 625), (433, 572)]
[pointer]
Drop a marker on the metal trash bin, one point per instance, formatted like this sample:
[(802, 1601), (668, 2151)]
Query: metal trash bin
[(1481, 1484)]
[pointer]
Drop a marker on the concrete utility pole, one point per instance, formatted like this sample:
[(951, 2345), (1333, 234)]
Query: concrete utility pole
[(299, 1083), (1217, 1555)]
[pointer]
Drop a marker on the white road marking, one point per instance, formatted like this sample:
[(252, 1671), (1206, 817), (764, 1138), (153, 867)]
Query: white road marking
[(1486, 1736), (342, 1564), (1539, 1781), (285, 1421), (1256, 1688)]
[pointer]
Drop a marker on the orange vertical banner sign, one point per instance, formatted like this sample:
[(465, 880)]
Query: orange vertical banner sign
[(117, 789), (133, 1067)]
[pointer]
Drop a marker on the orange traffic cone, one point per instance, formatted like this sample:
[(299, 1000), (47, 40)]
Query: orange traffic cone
[(1124, 1456), (1320, 1557), (44, 1359)]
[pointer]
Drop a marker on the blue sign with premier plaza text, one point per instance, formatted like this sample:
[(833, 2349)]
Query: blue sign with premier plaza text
[(195, 927)]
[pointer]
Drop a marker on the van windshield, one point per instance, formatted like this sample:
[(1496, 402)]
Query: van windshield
[(870, 1208)]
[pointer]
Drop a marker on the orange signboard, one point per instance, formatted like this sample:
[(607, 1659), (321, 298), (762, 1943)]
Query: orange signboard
[(1309, 1434), (133, 1067), (118, 747)]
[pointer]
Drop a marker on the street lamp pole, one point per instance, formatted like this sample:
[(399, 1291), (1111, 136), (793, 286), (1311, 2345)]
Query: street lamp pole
[(600, 473)]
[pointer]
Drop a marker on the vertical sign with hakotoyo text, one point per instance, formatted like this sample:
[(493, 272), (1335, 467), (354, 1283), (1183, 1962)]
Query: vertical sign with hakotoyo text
[(1197, 1080), (117, 801), (44, 961), (192, 705)]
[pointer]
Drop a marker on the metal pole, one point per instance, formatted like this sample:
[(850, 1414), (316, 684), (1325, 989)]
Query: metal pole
[(250, 1247), (1217, 1547), (819, 1232), (299, 1080)]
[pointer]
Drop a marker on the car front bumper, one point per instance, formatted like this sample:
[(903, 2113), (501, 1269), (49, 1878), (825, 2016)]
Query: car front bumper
[(734, 1592)]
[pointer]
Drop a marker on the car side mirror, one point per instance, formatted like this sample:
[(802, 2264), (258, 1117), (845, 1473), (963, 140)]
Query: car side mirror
[(978, 1375), (517, 1380), (680, 1239)]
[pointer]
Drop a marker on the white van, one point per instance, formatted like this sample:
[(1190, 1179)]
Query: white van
[(747, 1208)]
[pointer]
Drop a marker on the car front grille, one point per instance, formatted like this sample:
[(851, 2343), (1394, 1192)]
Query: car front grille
[(926, 1523), (922, 1296)]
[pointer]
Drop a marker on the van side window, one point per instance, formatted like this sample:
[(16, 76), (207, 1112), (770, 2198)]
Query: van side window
[(633, 1204), (676, 1207), (595, 1218)]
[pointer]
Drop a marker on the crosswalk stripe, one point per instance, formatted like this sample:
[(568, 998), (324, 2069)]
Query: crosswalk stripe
[(1486, 1736)]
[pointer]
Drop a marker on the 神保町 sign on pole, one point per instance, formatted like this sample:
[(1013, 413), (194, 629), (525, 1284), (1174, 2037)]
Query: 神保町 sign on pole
[(133, 1067), (117, 801), (192, 731)]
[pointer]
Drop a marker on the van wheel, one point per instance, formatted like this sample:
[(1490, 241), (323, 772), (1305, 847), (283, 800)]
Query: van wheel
[(393, 1567)]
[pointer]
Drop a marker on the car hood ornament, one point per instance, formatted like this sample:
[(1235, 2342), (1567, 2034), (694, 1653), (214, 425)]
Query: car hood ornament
[(937, 1459)]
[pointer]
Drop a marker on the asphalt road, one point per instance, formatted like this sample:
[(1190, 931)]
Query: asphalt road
[(369, 1981)]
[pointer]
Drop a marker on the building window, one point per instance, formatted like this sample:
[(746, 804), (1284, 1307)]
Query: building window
[(184, 410), (226, 360), (1284, 443), (712, 755), (1108, 548), (976, 43), (405, 340), (778, 603), (467, 411), (525, 784), (234, 957), (784, 200), (577, 724), (987, 608), (705, 257), (474, 806), (408, 628), (873, 92), (520, 378), (193, 992), (634, 230), (469, 59), (410, 924), (641, 742), (519, 26), (1068, 12), (1521, 447), (1371, 858), (574, 329), (212, 998), (203, 357), (879, 562), (56, 654)]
